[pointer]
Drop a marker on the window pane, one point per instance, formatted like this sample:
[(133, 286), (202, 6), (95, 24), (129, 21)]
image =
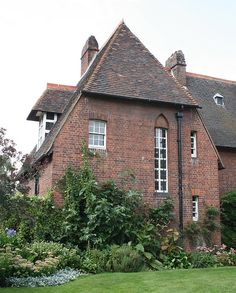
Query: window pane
[(163, 185), (156, 153), (163, 174), (156, 185), (49, 125), (163, 133), (163, 164), (156, 174), (156, 163), (96, 127), (163, 143), (163, 153), (50, 116)]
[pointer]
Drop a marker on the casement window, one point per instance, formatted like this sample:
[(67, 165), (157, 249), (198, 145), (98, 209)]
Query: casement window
[(161, 170), (193, 144), (219, 99), (46, 122), (195, 208), (97, 134)]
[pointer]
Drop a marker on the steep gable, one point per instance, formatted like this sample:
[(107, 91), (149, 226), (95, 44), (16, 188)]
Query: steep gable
[(123, 68), (128, 69)]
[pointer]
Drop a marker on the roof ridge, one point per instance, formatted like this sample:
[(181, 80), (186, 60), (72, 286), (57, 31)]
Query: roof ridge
[(104, 56), (58, 86), (105, 47), (210, 77)]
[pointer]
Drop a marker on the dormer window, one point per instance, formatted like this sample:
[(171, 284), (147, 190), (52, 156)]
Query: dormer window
[(46, 122), (219, 99)]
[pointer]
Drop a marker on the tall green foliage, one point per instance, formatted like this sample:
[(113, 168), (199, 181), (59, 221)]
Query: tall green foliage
[(32, 217), (228, 219), (97, 215)]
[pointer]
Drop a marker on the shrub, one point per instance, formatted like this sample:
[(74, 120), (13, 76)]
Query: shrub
[(6, 266), (125, 259), (177, 259), (33, 218), (94, 261), (202, 260), (228, 219), (39, 251)]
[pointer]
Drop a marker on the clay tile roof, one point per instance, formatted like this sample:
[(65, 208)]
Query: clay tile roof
[(220, 120), (54, 99), (128, 69)]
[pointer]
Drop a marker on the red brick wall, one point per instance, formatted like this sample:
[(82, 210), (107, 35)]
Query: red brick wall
[(227, 176), (45, 179), (130, 146)]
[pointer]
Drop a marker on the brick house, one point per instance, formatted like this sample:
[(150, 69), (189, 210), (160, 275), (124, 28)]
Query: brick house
[(163, 124), (216, 97)]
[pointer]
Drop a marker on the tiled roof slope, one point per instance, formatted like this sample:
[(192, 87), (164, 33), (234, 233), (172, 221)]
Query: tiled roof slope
[(54, 99), (124, 68), (220, 121), (128, 69)]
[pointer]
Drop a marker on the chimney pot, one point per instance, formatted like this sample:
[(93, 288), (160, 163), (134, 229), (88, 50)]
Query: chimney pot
[(177, 65), (90, 49)]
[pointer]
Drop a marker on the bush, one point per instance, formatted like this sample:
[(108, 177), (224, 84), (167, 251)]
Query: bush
[(33, 218), (39, 251), (203, 260), (37, 259), (177, 259), (94, 261), (228, 219), (6, 266), (125, 259)]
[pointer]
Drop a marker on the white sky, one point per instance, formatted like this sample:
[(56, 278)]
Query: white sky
[(41, 41)]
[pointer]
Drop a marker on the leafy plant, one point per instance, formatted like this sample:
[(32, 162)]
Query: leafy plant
[(228, 219), (94, 261), (125, 259), (203, 260), (39, 251), (177, 259)]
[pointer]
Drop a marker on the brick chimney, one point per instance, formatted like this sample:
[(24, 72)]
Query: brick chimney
[(89, 51), (177, 66)]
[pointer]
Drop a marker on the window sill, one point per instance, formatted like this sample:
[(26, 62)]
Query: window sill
[(94, 152), (161, 194)]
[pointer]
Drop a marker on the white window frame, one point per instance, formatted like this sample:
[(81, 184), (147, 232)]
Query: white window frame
[(93, 146), (42, 127), (218, 97), (195, 208), (193, 140), (159, 149)]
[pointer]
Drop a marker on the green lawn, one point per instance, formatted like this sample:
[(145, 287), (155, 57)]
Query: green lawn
[(218, 280)]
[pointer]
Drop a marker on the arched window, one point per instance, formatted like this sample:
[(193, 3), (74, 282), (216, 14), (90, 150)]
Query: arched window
[(161, 162)]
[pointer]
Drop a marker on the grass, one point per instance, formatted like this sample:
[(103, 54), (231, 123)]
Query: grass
[(216, 280)]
